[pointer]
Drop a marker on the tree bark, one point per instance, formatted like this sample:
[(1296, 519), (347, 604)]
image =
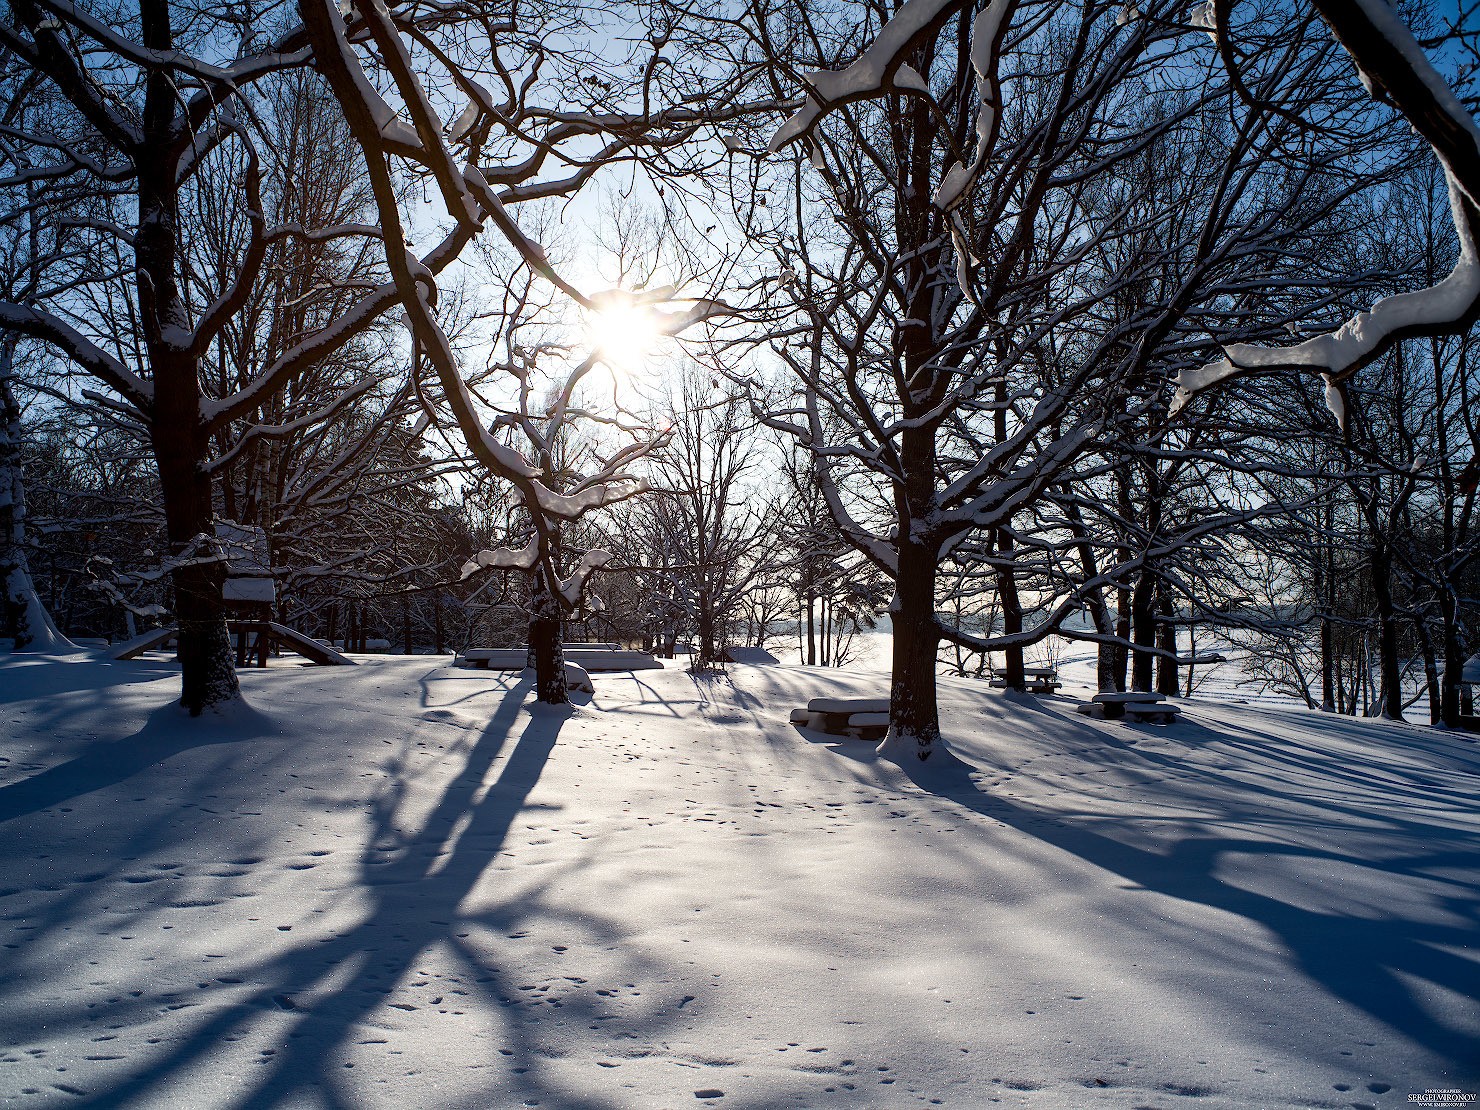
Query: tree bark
[(1012, 615), (1095, 601), (1454, 663), (914, 718), (708, 654), (544, 644), (1143, 629), (1389, 664), (811, 632), (180, 439), (23, 619), (1166, 640), (1326, 592), (1430, 672), (1119, 656)]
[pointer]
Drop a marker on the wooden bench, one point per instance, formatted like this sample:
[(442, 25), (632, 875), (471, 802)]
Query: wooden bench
[(1137, 705), (865, 718)]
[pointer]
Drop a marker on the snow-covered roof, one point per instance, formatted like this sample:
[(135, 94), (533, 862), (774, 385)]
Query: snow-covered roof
[(1471, 672), (245, 546), (249, 589)]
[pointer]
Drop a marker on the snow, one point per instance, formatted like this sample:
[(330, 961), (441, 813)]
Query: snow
[(405, 884), (866, 76), (986, 29), (504, 558), (43, 633), (1471, 671), (752, 656), (571, 588), (1438, 309), (578, 679), (469, 115), (249, 589)]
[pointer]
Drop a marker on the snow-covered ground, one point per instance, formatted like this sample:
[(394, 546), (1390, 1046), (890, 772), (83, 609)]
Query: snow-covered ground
[(397, 885)]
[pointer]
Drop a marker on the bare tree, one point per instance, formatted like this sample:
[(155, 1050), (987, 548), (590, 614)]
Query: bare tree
[(704, 540), (23, 618), (996, 295), (159, 121), (559, 104)]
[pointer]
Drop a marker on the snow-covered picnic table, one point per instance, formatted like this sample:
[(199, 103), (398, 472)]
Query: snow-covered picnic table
[(592, 659), (865, 718), (1040, 680), (1138, 705)]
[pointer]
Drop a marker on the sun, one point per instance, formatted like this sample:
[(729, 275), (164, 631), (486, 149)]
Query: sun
[(625, 334)]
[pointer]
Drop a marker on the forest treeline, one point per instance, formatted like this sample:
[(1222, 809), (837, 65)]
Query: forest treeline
[(1147, 326)]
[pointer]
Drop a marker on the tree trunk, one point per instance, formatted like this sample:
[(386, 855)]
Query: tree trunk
[(914, 719), (1119, 656), (23, 619), (207, 668), (827, 634), (1166, 640), (1389, 664), (708, 654), (406, 645), (1143, 629), (1430, 668), (1326, 591), (1454, 662), (1328, 666), (544, 645), (1095, 602), (811, 632), (177, 428), (1012, 615)]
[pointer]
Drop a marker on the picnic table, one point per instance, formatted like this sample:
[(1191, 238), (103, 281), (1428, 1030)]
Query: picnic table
[(864, 718), (1040, 680), (1136, 705), (591, 659)]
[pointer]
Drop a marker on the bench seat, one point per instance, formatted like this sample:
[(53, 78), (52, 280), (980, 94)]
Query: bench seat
[(592, 659), (1153, 714), (865, 724), (848, 705), (1032, 685), (1134, 706)]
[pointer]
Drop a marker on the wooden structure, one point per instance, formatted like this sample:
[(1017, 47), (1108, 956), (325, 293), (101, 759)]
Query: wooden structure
[(1469, 678), (1134, 705), (591, 658), (1038, 680), (862, 718), (250, 591), (268, 633)]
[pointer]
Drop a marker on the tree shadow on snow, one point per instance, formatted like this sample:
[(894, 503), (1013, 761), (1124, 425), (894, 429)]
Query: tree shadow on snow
[(168, 732), (415, 881), (1376, 962)]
